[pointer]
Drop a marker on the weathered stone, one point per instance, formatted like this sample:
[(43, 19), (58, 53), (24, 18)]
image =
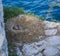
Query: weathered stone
[(29, 50), (3, 41), (40, 46), (50, 24), (58, 28), (51, 51), (34, 48), (48, 47), (50, 32), (39, 54), (18, 51), (53, 40)]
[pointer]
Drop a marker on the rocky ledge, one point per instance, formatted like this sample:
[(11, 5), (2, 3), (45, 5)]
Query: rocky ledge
[(49, 46)]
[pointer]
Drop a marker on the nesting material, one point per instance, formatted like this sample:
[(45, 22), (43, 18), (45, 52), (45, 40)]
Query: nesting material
[(25, 28)]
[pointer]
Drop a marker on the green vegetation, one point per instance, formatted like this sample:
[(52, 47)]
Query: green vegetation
[(10, 12), (11, 48), (41, 18), (54, 20)]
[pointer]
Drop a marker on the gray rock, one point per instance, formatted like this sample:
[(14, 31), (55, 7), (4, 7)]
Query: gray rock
[(53, 40), (29, 50), (50, 24), (34, 48), (51, 32), (3, 41), (49, 47), (18, 51), (51, 51), (39, 54)]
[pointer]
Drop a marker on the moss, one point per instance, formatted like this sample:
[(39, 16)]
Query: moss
[(10, 12)]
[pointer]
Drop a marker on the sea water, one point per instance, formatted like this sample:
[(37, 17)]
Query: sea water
[(43, 8)]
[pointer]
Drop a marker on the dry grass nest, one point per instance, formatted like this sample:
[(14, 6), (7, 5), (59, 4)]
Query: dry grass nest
[(24, 28)]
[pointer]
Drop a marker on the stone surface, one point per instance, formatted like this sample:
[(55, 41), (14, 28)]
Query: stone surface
[(39, 54), (18, 51), (29, 50), (50, 24), (48, 47), (51, 51), (53, 40), (3, 41), (34, 48), (51, 32)]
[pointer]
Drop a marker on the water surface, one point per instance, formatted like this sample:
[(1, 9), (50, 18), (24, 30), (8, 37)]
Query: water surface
[(38, 7)]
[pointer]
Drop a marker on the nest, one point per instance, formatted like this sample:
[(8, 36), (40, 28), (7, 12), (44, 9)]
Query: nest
[(24, 28)]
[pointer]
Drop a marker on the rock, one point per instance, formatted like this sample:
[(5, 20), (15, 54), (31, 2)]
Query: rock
[(50, 32), (34, 48), (41, 45), (58, 46), (39, 54), (3, 47), (29, 50), (50, 24), (51, 51), (58, 28), (18, 51), (1, 40), (2, 54), (53, 40), (48, 47)]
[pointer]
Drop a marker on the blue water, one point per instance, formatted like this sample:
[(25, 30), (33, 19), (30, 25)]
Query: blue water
[(38, 7)]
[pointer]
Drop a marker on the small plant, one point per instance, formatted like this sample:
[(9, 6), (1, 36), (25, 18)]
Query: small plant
[(10, 12)]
